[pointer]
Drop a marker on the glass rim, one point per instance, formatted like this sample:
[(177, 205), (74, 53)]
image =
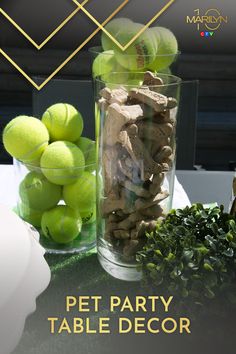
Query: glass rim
[(99, 50), (178, 80), (36, 168)]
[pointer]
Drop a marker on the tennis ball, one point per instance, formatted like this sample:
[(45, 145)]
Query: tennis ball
[(81, 195), (103, 63), (116, 79), (25, 138), (88, 147), (38, 193), (167, 48), (62, 162), (63, 122), (31, 216), (127, 78), (61, 224), (88, 216), (141, 53), (113, 28)]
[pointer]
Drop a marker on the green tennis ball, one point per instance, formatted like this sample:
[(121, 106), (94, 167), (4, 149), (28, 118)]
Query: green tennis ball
[(128, 78), (81, 195), (115, 80), (31, 216), (63, 122), (88, 216), (61, 224), (88, 147), (25, 138), (106, 67), (103, 63), (141, 52), (38, 193), (167, 48), (62, 162), (113, 28)]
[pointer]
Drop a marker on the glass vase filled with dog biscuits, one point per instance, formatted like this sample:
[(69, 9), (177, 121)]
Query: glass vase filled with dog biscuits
[(136, 152)]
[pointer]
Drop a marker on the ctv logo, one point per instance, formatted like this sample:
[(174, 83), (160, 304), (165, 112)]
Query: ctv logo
[(207, 23), (207, 34)]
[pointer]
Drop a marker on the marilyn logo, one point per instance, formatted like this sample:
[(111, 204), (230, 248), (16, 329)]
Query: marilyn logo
[(207, 23)]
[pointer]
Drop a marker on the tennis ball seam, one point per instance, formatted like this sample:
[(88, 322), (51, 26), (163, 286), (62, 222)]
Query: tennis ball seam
[(8, 127), (50, 120), (67, 113), (34, 150)]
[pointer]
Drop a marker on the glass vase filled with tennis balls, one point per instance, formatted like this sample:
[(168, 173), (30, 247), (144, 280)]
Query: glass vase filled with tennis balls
[(136, 146), (55, 169)]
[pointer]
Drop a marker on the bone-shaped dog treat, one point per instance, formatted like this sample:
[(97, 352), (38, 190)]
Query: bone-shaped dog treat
[(117, 117), (171, 115), (123, 204), (114, 218), (130, 221), (153, 99), (143, 227), (119, 95), (110, 169), (110, 205), (153, 212), (151, 80), (157, 181), (121, 234), (103, 104), (166, 116), (127, 171), (158, 145), (165, 166), (131, 247), (110, 226), (139, 153), (137, 189), (172, 103), (163, 154), (144, 203), (153, 131)]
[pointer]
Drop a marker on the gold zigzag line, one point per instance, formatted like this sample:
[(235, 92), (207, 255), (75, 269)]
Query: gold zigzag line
[(123, 48), (39, 87), (40, 46)]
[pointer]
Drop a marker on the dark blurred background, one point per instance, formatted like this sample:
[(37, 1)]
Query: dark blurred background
[(210, 60)]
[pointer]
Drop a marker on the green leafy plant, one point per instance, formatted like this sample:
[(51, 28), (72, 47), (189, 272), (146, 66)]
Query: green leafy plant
[(192, 253)]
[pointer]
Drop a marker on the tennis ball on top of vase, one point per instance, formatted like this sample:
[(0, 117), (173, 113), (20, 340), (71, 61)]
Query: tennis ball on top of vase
[(104, 63), (113, 28), (62, 162), (167, 48), (26, 138), (61, 224), (141, 53), (64, 122), (108, 70)]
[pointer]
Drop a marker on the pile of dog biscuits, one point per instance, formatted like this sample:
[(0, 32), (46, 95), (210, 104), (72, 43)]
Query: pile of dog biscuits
[(138, 150)]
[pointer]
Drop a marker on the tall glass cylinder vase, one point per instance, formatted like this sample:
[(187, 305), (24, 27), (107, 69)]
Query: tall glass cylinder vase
[(136, 147)]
